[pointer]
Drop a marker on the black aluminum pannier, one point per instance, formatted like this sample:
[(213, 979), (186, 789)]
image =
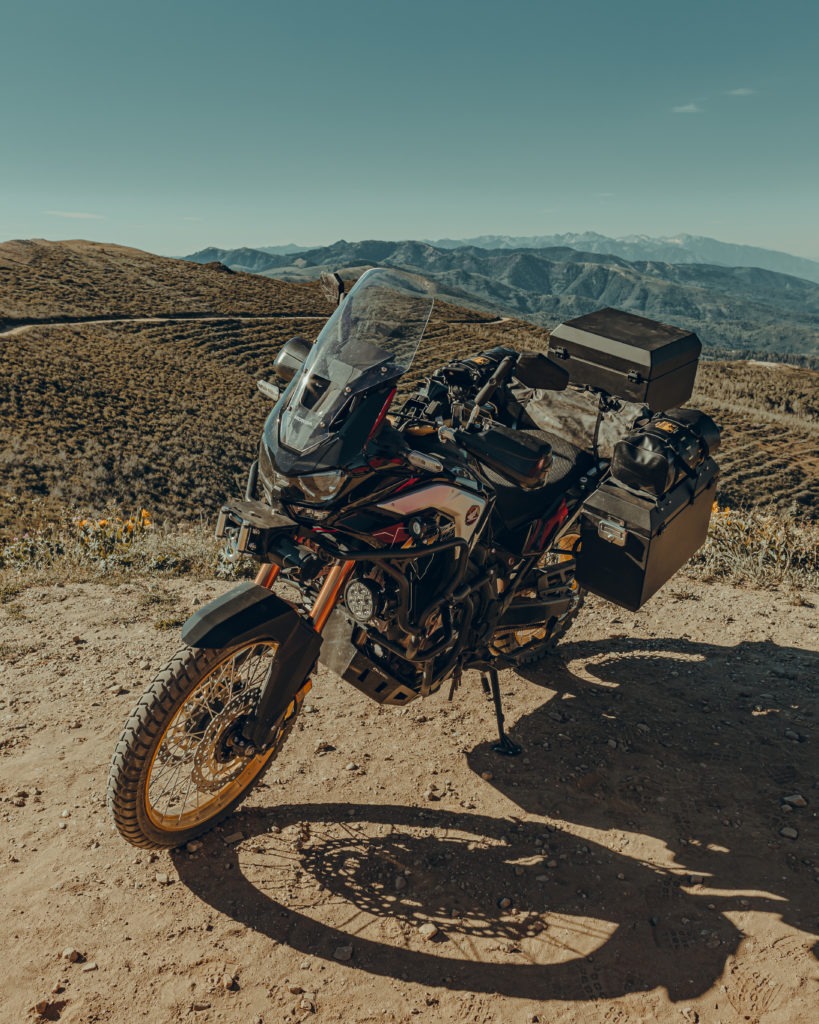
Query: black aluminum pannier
[(628, 356), (631, 544), (662, 451)]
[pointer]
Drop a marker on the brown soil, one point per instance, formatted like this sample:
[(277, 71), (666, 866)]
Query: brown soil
[(637, 838)]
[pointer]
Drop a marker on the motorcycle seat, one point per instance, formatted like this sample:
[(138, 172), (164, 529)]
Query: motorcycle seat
[(569, 463)]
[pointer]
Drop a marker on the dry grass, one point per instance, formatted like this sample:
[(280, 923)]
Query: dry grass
[(763, 547), (773, 389), (53, 280), (770, 445), (164, 416), (44, 547)]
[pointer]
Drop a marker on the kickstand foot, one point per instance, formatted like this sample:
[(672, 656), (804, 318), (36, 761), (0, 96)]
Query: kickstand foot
[(505, 746)]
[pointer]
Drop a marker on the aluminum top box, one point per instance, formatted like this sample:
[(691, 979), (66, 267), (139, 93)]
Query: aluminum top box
[(628, 357)]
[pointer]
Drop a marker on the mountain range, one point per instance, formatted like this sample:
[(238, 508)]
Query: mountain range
[(681, 248), (741, 310), (676, 249)]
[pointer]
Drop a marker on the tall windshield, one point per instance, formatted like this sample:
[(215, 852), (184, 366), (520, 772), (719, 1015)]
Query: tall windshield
[(371, 338)]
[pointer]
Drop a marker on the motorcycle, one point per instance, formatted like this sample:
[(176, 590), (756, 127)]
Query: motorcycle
[(406, 539)]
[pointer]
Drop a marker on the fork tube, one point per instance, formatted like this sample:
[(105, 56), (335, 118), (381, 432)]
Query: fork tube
[(328, 595), (266, 576)]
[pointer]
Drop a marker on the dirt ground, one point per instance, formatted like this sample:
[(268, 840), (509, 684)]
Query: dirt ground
[(628, 866)]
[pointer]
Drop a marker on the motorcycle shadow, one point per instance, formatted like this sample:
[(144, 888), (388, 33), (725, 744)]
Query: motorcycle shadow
[(587, 918), (552, 942)]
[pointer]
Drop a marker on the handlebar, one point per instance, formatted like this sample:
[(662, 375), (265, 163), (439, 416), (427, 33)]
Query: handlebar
[(498, 378)]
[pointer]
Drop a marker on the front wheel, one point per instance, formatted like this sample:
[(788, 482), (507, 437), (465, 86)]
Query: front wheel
[(181, 763)]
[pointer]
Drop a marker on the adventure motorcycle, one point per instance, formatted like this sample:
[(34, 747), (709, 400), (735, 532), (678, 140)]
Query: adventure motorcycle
[(417, 538)]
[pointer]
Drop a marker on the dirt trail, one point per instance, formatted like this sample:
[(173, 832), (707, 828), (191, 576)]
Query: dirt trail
[(637, 839), (177, 318)]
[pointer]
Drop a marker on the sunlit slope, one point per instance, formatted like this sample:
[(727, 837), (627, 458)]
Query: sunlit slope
[(166, 415), (770, 444), (44, 280)]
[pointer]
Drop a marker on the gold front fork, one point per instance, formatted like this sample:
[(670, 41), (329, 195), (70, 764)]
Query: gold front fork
[(327, 597), (266, 576)]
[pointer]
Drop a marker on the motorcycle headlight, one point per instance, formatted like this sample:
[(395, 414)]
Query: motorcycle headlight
[(306, 512), (320, 487)]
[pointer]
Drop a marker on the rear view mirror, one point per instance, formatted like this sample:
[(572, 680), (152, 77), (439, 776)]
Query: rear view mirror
[(333, 287), (290, 358), (534, 370), (270, 391)]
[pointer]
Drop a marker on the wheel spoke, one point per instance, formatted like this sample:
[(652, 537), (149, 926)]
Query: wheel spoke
[(194, 772)]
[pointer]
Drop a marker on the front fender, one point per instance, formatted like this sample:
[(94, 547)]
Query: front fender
[(251, 612), (246, 611)]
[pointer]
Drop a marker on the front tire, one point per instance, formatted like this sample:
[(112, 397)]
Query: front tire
[(178, 767)]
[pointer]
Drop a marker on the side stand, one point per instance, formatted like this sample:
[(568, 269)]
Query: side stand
[(489, 681)]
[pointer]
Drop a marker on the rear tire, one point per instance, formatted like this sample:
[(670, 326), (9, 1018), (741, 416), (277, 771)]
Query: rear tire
[(177, 769), (526, 646), (535, 648)]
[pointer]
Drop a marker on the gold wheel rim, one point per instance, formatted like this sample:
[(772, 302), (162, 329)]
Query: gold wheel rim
[(566, 545), (515, 639), (174, 800)]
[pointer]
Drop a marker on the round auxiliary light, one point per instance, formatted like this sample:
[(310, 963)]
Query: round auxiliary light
[(362, 599)]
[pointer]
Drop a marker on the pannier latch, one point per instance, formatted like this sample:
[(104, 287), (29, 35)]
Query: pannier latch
[(614, 533), (559, 353), (635, 377)]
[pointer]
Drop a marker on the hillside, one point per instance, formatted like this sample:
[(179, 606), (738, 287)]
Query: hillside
[(165, 415), (740, 310), (42, 280)]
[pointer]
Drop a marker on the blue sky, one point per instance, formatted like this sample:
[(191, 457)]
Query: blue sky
[(171, 126)]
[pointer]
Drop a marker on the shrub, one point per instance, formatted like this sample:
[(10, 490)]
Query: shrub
[(74, 548)]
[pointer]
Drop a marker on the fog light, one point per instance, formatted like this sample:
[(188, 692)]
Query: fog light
[(362, 599)]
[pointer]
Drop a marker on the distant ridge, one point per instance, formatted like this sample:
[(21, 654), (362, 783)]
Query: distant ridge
[(676, 249), (743, 311), (682, 248)]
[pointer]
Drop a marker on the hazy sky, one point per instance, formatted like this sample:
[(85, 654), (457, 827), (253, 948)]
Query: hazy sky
[(175, 125)]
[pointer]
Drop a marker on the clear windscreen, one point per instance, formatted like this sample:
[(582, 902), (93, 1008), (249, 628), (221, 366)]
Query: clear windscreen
[(372, 337)]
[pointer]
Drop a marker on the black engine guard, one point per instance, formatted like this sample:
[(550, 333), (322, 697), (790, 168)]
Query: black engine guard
[(251, 612)]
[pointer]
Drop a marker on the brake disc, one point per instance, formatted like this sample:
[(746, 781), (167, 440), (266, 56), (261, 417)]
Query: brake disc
[(213, 765)]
